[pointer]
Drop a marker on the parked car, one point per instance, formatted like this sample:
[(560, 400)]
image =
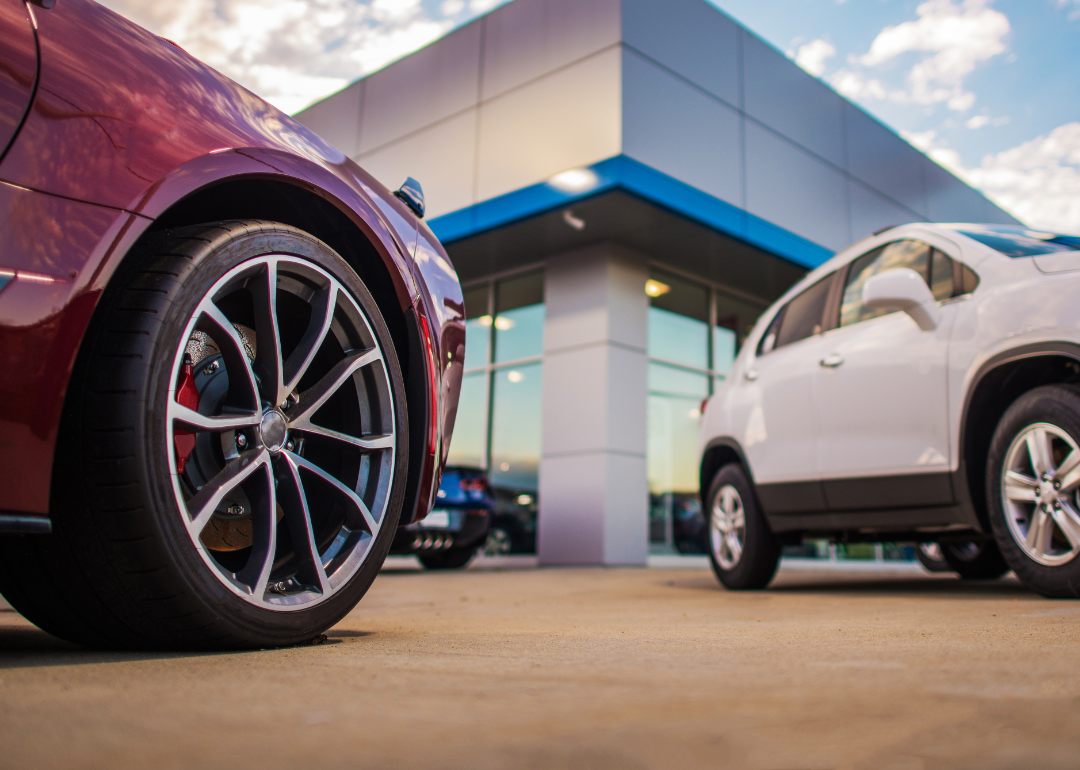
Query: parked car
[(513, 530), (922, 385), (457, 526), (230, 357)]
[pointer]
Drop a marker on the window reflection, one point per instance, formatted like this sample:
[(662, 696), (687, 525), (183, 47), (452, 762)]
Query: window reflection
[(675, 520), (515, 428), (694, 335), (519, 318), (678, 320), (910, 254), (469, 443), (477, 327)]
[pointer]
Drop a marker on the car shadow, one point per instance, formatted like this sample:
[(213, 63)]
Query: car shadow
[(929, 587), (25, 646)]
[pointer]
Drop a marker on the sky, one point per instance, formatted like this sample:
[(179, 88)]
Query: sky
[(989, 88)]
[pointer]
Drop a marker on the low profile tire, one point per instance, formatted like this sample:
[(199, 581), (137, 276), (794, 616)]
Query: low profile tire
[(233, 450), (1033, 489), (974, 560), (455, 558), (742, 549)]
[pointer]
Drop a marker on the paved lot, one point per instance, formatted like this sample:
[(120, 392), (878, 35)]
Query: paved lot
[(583, 669)]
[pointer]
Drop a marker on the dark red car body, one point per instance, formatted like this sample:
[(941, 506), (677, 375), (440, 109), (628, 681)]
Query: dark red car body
[(108, 132)]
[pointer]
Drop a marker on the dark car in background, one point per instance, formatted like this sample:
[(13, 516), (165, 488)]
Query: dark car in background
[(458, 525), (230, 358)]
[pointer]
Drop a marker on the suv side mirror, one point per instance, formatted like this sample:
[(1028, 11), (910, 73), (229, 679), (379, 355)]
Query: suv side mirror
[(903, 289)]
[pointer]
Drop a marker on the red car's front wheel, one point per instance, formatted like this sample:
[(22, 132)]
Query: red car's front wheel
[(235, 450)]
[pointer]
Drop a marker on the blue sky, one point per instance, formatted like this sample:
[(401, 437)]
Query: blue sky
[(990, 88)]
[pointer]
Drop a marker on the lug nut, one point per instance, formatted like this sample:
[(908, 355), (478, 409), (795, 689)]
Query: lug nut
[(290, 445), (236, 509), (211, 368), (1057, 485), (241, 440)]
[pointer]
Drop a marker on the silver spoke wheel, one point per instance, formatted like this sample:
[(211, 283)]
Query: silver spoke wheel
[(281, 432), (727, 530), (1040, 482)]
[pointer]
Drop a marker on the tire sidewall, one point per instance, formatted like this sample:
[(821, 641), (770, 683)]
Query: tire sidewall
[(261, 625), (1057, 405), (760, 555)]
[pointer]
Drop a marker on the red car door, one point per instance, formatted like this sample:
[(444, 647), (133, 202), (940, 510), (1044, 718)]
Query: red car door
[(18, 67)]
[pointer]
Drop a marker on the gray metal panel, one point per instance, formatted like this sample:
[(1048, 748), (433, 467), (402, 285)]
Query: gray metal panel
[(427, 86), (678, 130), (441, 157), (883, 160), (691, 37), (870, 211), (791, 188), (567, 119), (526, 39), (781, 95), (949, 199), (337, 118)]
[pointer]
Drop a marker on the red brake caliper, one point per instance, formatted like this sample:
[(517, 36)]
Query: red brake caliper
[(186, 395)]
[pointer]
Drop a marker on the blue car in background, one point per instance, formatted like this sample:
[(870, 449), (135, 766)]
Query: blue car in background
[(458, 524)]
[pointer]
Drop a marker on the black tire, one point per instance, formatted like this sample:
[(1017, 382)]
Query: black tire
[(1058, 407), (975, 560), (760, 552), (455, 558), (121, 569)]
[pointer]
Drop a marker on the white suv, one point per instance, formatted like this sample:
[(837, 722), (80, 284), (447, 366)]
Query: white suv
[(923, 384)]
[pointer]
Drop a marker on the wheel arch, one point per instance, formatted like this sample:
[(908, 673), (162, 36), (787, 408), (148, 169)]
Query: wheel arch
[(997, 384), (718, 453)]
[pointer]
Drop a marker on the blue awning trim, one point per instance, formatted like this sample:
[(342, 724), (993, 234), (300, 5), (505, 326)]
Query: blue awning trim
[(630, 176)]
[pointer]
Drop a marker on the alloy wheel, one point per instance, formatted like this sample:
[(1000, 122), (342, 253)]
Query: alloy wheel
[(281, 432), (1039, 490), (727, 531)]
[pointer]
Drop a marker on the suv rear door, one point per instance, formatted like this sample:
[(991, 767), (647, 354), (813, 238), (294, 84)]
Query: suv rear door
[(18, 68)]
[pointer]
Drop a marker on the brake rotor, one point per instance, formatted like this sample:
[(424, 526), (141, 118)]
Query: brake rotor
[(230, 528)]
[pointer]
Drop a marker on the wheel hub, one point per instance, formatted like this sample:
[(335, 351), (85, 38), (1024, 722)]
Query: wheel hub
[(273, 430)]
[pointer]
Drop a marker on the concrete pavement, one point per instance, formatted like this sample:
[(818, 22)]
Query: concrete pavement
[(583, 669)]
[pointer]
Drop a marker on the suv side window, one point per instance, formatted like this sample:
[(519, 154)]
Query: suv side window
[(800, 318), (908, 253)]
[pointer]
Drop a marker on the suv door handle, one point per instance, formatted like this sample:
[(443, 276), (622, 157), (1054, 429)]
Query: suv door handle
[(751, 375), (832, 360)]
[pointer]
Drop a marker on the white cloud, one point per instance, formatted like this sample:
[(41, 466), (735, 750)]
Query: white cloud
[(1037, 181), (452, 7), (953, 37), (1074, 5), (977, 121), (291, 52), (813, 55)]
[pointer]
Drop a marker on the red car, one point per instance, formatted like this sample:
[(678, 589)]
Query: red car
[(229, 358)]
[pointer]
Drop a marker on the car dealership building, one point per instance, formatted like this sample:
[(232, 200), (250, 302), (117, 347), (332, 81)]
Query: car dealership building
[(623, 187)]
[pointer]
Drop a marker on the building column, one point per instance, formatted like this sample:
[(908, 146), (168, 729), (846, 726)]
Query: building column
[(593, 487)]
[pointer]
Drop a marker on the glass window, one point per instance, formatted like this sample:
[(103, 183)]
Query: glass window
[(519, 318), (941, 276), (671, 379), (469, 443), (672, 464), (678, 320), (734, 320), (914, 255), (477, 327), (1020, 242), (803, 315), (515, 429)]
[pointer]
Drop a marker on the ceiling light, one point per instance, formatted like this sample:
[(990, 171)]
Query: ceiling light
[(656, 289), (575, 180)]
